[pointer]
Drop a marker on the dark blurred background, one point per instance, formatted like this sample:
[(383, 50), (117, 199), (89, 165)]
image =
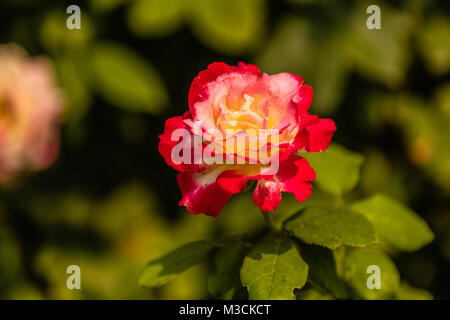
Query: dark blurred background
[(110, 203)]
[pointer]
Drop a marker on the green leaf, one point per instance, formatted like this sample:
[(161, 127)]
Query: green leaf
[(230, 26), (160, 271), (225, 282), (434, 42), (407, 292), (322, 270), (273, 269), (332, 227), (57, 39), (337, 169), (356, 265), (105, 6), (155, 17), (295, 46), (382, 55), (395, 223), (76, 93), (311, 294), (126, 79), (290, 206)]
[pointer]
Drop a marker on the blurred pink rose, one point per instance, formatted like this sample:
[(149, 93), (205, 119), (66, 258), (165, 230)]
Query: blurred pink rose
[(30, 109)]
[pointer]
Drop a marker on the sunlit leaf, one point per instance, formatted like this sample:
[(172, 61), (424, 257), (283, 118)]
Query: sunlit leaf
[(395, 223), (290, 206), (155, 17), (332, 227), (381, 54), (230, 26), (355, 272), (273, 269), (57, 38), (337, 169), (434, 41), (126, 79), (76, 91), (160, 271)]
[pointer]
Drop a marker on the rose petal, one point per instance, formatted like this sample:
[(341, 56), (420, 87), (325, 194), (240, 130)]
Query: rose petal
[(320, 135), (197, 91), (166, 144), (201, 193), (267, 195), (294, 176)]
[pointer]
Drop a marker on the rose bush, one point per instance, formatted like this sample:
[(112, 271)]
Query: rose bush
[(30, 107), (269, 113)]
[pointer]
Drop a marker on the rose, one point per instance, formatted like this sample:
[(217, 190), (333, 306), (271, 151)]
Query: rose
[(30, 107), (229, 102)]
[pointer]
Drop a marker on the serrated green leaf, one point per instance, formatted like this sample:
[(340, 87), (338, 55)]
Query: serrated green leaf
[(225, 282), (332, 227), (322, 270), (160, 271), (355, 272), (337, 169), (273, 269), (126, 79), (395, 223), (290, 206)]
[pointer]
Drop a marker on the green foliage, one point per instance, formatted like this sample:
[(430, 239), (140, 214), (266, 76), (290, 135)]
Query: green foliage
[(317, 249), (76, 91), (332, 227), (290, 206), (434, 41), (295, 47), (155, 17), (386, 104), (407, 292), (337, 169), (230, 26), (57, 39), (126, 79), (425, 131), (273, 269), (355, 272), (379, 54), (322, 270), (395, 223), (311, 294), (162, 270), (225, 282), (106, 5)]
